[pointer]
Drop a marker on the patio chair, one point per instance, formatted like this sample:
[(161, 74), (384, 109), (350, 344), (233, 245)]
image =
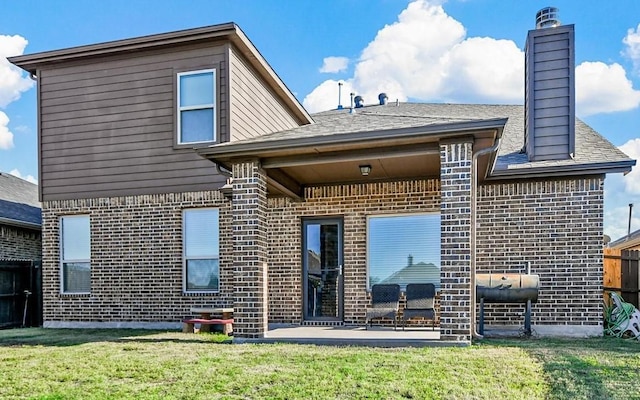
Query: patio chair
[(385, 300), (420, 299)]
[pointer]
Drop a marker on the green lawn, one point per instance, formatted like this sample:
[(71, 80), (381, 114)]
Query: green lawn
[(121, 364)]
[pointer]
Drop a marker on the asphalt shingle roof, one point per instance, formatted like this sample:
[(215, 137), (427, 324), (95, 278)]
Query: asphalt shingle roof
[(19, 200), (591, 147)]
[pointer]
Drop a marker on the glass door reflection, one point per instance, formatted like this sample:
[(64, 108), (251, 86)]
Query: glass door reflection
[(322, 270)]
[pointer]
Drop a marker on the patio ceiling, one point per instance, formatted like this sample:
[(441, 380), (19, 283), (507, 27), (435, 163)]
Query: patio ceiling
[(293, 163)]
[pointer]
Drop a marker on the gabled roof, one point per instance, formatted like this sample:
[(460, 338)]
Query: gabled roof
[(19, 205), (228, 31)]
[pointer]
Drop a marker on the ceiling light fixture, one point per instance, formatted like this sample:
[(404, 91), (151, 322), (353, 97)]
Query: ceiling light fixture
[(365, 170)]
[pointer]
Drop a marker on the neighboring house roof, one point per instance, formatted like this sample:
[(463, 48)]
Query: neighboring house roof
[(228, 31), (416, 273), (630, 241), (19, 205)]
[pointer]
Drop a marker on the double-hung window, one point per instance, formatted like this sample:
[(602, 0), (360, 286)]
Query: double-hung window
[(403, 249), (196, 106), (75, 254), (201, 258)]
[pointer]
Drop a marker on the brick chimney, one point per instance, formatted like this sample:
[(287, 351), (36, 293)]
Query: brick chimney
[(549, 98)]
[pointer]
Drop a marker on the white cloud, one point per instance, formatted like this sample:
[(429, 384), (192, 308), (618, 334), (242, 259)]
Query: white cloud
[(617, 220), (425, 56), (632, 179), (602, 88), (632, 50), (619, 192), (489, 68), (22, 129), (6, 137), (333, 65), (12, 81), (325, 96), (28, 178)]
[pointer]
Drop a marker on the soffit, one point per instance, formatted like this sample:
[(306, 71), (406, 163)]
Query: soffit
[(297, 160)]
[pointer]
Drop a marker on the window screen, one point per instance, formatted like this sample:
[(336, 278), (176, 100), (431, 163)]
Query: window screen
[(200, 249), (196, 106), (75, 254), (403, 249)]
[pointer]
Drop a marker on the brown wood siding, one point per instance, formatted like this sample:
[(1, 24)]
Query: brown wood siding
[(255, 110), (107, 126)]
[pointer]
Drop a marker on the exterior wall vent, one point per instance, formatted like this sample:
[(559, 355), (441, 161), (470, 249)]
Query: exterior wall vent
[(549, 98)]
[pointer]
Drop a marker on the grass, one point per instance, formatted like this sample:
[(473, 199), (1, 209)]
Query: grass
[(121, 364)]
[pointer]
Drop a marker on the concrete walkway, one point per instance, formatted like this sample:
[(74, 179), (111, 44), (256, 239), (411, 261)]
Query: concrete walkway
[(352, 336)]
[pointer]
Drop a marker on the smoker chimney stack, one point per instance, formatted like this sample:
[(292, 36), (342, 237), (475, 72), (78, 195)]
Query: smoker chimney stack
[(548, 17), (549, 99)]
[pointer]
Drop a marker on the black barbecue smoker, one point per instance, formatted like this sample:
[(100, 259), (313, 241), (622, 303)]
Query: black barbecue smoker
[(507, 289)]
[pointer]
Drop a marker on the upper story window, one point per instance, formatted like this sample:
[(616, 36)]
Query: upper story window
[(403, 249), (196, 106), (201, 260), (75, 254)]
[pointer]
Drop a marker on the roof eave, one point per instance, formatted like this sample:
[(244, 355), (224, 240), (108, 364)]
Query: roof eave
[(20, 224), (251, 148), (564, 170), (625, 242), (32, 62)]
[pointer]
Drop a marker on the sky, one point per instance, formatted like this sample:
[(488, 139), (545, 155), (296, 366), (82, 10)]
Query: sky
[(457, 51)]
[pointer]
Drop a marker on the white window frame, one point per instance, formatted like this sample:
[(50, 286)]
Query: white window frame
[(63, 261), (211, 256), (180, 108), (408, 214)]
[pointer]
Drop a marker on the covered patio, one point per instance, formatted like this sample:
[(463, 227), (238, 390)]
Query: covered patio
[(332, 177)]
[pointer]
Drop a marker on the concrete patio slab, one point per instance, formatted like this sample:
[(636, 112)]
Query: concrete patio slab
[(375, 336)]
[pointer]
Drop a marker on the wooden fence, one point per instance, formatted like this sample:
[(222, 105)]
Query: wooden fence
[(17, 278), (621, 269)]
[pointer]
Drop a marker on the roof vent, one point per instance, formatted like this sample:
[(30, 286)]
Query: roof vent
[(382, 97), (548, 17), (359, 101)]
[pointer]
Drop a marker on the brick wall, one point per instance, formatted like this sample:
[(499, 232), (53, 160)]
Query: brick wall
[(20, 243), (557, 227), (353, 203), (136, 260), (455, 304), (137, 249), (250, 250)]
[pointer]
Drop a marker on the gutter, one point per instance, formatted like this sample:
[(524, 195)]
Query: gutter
[(249, 148), (20, 224), (474, 218), (623, 166)]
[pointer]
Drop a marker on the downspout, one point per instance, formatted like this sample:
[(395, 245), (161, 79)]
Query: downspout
[(223, 171), (474, 218)]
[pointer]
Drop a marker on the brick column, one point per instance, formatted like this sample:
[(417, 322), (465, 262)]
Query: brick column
[(250, 250), (455, 234)]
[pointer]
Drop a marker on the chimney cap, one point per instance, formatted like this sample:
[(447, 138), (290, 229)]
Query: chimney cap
[(548, 17)]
